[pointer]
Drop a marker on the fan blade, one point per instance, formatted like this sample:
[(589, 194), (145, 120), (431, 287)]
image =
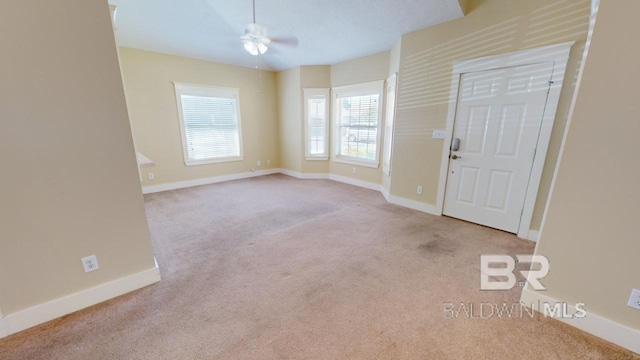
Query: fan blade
[(287, 41)]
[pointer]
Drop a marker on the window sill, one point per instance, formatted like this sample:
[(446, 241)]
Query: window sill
[(352, 161), (212, 161), (317, 158)]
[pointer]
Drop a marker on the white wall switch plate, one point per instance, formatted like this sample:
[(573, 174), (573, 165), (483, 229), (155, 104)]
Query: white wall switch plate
[(439, 134), (419, 191), (151, 177), (258, 163), (355, 170), (634, 299), (90, 263)]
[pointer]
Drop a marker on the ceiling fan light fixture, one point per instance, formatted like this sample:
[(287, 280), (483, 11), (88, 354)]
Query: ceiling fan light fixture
[(262, 48), (255, 44), (251, 48), (255, 38)]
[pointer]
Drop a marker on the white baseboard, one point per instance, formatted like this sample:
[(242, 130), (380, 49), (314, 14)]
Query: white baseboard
[(291, 173), (314, 176), (385, 192), (355, 182), (4, 331), (415, 205), (593, 324), (206, 181), (338, 178), (412, 204), (304, 176), (39, 314)]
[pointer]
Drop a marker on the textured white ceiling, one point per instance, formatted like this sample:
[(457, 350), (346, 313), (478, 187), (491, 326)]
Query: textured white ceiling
[(327, 31)]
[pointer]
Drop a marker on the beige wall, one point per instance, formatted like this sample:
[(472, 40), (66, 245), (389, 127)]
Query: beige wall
[(152, 104), (424, 61), (589, 233), (370, 68), (69, 179), (289, 104), (291, 85), (491, 27), (361, 70)]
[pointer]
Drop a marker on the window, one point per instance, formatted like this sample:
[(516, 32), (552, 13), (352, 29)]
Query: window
[(390, 114), (209, 123), (316, 115), (357, 111)]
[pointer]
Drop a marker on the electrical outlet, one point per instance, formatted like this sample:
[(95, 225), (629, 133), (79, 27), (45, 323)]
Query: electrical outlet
[(419, 191), (151, 177), (355, 170), (90, 263), (258, 163), (268, 162), (634, 299)]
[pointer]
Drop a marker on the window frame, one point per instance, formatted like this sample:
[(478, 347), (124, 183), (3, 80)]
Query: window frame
[(363, 89), (317, 93), (389, 122), (207, 91)]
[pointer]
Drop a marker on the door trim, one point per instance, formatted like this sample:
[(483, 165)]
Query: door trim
[(559, 55)]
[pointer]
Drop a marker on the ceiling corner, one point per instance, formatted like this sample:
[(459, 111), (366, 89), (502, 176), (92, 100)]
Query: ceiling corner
[(465, 6)]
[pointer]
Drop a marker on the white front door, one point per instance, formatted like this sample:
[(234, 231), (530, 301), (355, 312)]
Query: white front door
[(498, 118)]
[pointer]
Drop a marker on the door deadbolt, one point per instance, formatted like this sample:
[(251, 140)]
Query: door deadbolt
[(455, 144)]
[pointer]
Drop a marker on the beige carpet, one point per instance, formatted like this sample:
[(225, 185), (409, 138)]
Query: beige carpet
[(279, 268)]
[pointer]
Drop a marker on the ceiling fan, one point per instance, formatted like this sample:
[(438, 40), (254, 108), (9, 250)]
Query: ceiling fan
[(256, 41)]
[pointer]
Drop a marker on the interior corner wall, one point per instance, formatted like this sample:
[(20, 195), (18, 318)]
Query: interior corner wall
[(394, 57), (589, 234), (69, 174), (464, 6), (366, 69), (290, 123), (427, 56), (149, 78)]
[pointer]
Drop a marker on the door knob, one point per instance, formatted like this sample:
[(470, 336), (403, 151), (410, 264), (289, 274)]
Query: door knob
[(454, 157)]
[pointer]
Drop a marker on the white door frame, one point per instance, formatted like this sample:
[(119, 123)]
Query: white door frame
[(559, 55)]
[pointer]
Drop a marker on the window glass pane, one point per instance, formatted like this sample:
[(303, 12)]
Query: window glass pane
[(317, 126), (358, 116), (211, 127)]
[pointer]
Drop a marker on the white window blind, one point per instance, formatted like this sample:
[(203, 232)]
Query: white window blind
[(358, 111), (210, 123), (390, 114), (317, 124)]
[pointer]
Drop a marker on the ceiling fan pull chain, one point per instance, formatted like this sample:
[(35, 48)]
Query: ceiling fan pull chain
[(259, 73)]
